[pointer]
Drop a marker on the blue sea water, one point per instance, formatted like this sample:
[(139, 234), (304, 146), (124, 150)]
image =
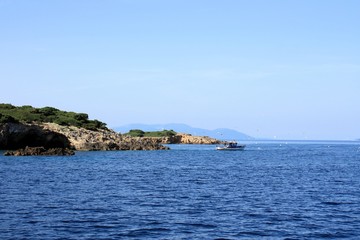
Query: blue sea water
[(298, 190)]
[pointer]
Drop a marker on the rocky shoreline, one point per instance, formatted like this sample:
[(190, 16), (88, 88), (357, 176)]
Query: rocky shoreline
[(26, 130), (102, 140), (15, 136), (184, 138), (40, 151), (54, 139), (88, 140)]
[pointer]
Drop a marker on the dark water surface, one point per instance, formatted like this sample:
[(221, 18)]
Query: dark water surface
[(268, 191)]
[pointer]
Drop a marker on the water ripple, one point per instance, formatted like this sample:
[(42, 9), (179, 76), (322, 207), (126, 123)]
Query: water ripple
[(304, 191)]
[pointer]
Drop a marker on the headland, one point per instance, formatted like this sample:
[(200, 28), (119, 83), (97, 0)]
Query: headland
[(27, 131)]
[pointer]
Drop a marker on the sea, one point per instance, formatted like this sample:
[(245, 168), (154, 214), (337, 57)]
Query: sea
[(271, 190)]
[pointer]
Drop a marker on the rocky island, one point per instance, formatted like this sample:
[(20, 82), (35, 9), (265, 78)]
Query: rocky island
[(172, 137), (27, 131), (50, 131)]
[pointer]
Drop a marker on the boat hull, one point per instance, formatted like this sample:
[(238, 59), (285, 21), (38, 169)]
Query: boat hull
[(237, 148)]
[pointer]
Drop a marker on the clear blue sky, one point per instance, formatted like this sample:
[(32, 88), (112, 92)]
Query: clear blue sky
[(275, 69)]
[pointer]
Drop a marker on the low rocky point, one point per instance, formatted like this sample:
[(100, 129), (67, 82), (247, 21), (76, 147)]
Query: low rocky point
[(24, 137), (55, 139)]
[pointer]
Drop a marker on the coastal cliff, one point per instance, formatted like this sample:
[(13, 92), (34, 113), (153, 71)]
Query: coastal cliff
[(30, 139), (20, 135)]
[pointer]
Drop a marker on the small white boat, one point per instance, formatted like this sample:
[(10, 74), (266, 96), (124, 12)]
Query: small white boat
[(231, 146)]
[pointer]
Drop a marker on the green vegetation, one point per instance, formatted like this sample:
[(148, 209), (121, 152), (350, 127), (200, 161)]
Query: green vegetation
[(29, 114), (140, 133), (7, 119)]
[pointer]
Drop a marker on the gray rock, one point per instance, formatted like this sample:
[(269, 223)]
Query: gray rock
[(40, 151), (19, 135)]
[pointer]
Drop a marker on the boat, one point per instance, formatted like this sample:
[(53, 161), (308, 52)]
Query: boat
[(231, 146)]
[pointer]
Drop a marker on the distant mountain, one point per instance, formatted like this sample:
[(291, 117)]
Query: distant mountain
[(220, 133)]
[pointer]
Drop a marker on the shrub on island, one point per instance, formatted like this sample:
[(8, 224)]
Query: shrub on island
[(140, 133), (29, 114)]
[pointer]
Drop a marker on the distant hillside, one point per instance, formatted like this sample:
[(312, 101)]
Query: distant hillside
[(29, 114), (220, 133)]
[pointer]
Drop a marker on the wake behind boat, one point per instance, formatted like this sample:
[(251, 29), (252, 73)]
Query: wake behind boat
[(231, 146)]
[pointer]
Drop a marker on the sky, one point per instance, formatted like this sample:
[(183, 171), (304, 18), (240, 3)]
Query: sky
[(271, 69)]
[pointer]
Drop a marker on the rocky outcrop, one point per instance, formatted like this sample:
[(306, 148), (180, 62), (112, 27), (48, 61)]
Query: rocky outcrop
[(40, 151), (183, 138), (42, 139), (53, 139), (19, 135), (87, 140), (140, 143)]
